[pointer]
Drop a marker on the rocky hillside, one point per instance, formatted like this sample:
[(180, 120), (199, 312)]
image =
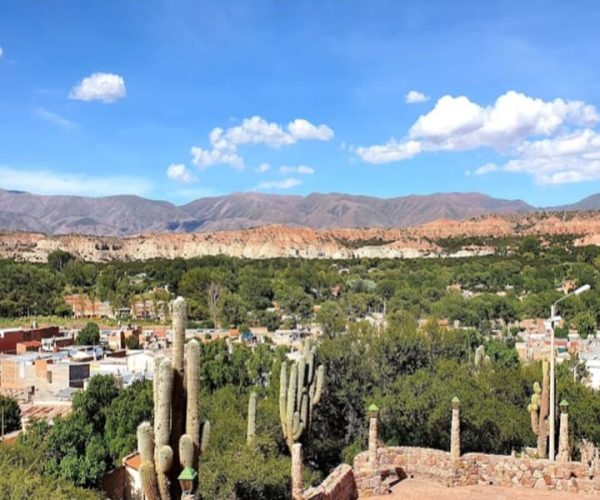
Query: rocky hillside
[(280, 241), (130, 215)]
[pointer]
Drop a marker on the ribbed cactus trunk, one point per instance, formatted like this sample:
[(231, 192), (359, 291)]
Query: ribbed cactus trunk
[(251, 432), (538, 411), (165, 451), (297, 472), (178, 400), (192, 423)]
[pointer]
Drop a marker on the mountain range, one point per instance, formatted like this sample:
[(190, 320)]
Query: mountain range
[(128, 215)]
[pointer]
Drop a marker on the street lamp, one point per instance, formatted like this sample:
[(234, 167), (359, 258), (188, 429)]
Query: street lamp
[(186, 481), (553, 317)]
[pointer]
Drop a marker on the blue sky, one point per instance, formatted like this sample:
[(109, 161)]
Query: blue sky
[(176, 100)]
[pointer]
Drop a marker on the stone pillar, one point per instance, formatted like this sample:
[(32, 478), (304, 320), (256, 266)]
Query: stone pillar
[(297, 472), (455, 430), (564, 453), (373, 437)]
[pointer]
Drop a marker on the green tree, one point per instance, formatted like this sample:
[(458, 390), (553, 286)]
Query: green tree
[(10, 413), (124, 413), (58, 259), (332, 319), (89, 334), (585, 324)]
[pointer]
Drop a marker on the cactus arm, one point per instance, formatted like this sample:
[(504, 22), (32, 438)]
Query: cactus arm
[(319, 387), (205, 437), (155, 385), (179, 321), (187, 452), (163, 416), (164, 463), (301, 369), (283, 397), (291, 404), (192, 423)]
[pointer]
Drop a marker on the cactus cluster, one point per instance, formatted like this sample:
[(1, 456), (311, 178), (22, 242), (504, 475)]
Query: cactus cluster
[(538, 410), (481, 358), (175, 441), (299, 394)]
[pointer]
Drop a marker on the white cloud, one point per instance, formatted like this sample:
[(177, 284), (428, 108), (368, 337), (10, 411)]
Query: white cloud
[(254, 130), (204, 158), (179, 172), (54, 118), (263, 167), (573, 157), (389, 152), (105, 87), (300, 169), (49, 182), (414, 96), (488, 168), (552, 141), (1, 51), (284, 184), (456, 123), (303, 129)]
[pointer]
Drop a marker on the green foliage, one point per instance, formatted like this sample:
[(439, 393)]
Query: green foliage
[(10, 411), (89, 334), (124, 413), (19, 481), (58, 259), (230, 469), (132, 342), (585, 324), (332, 319)]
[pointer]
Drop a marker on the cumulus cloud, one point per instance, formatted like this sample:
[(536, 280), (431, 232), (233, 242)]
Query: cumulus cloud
[(303, 129), (50, 182), (300, 169), (486, 169), (263, 167), (180, 173), (105, 87), (414, 96), (204, 158), (54, 118), (390, 151), (573, 157), (550, 140), (284, 184), (255, 130)]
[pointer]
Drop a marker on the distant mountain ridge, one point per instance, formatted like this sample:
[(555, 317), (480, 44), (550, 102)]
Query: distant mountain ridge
[(128, 215)]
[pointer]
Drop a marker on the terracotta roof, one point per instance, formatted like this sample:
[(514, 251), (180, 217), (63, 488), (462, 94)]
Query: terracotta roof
[(134, 461)]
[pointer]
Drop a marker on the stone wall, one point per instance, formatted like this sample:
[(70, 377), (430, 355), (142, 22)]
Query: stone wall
[(396, 463), (339, 485)]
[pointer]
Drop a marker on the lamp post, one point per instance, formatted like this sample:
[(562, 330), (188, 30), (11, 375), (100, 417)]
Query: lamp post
[(186, 481), (553, 317)]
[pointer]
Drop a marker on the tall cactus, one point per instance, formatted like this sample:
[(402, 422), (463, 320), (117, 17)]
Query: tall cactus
[(538, 410), (299, 395), (251, 432), (165, 449)]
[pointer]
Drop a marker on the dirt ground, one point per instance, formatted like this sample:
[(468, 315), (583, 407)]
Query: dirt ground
[(413, 489)]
